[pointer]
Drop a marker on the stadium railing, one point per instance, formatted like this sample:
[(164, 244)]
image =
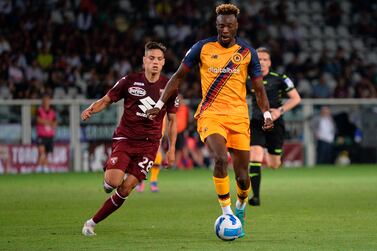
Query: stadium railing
[(16, 116)]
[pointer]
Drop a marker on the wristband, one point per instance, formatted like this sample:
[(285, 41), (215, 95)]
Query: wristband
[(281, 110), (267, 115), (159, 104)]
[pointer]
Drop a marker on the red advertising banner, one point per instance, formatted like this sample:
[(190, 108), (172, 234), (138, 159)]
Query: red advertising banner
[(23, 159), (293, 154)]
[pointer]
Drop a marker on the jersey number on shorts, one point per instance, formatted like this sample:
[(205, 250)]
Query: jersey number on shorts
[(146, 164)]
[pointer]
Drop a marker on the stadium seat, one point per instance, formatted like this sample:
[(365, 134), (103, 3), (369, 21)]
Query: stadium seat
[(316, 6), (59, 93), (329, 32), (342, 31), (317, 44), (331, 45), (315, 32)]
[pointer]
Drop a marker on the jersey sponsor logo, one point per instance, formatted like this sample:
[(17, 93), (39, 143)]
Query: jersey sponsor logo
[(218, 70), (137, 91), (139, 83), (147, 104), (236, 58), (214, 56)]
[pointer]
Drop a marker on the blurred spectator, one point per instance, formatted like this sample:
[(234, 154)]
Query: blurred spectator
[(321, 88), (46, 126), (324, 128)]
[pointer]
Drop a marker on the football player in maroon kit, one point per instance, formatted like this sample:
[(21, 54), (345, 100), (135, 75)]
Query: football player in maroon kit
[(137, 138)]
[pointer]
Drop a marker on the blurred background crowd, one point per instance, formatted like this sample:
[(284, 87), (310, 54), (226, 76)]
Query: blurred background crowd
[(80, 48)]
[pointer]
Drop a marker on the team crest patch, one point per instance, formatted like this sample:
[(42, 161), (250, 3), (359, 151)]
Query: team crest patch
[(214, 56), (237, 58), (113, 160)]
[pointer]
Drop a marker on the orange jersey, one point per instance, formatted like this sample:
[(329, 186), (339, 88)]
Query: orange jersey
[(223, 73)]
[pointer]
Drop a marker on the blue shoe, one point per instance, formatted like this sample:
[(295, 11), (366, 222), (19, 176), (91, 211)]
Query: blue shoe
[(240, 214)]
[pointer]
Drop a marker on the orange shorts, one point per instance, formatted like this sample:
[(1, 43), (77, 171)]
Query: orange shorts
[(235, 131)]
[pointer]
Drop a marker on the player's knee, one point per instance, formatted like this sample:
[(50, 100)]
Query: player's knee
[(124, 190), (221, 161), (114, 183), (243, 182)]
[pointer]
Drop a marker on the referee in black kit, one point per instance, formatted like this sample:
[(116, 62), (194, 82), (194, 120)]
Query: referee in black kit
[(277, 87)]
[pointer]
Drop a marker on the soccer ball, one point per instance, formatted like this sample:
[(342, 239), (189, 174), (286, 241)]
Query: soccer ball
[(228, 227)]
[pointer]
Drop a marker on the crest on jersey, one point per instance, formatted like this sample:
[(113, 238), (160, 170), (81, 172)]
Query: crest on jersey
[(214, 56), (137, 91), (113, 160), (237, 58)]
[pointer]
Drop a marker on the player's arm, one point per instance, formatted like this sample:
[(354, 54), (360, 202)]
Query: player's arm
[(96, 107), (170, 88), (172, 137), (293, 100), (264, 105)]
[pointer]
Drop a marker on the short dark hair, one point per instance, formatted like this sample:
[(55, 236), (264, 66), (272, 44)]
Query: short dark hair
[(265, 50), (227, 9), (155, 45)]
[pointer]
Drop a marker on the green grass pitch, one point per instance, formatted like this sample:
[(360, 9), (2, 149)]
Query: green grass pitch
[(324, 208)]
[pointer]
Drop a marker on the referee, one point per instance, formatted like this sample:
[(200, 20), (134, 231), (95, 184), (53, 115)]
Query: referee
[(277, 87)]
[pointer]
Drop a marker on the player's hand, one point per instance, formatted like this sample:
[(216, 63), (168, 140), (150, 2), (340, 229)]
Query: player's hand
[(152, 113), (170, 156), (86, 113), (268, 124), (275, 113)]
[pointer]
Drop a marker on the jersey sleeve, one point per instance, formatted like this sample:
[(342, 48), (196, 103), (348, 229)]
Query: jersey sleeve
[(287, 84), (254, 68), (192, 56), (116, 93), (173, 103)]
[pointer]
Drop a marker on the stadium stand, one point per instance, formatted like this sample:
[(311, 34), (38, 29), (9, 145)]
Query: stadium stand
[(75, 49)]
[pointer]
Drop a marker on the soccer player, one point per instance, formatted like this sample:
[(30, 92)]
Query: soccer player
[(136, 139), (46, 126), (276, 85), (222, 116)]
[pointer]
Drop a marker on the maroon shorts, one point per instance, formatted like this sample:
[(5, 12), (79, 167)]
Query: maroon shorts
[(133, 157)]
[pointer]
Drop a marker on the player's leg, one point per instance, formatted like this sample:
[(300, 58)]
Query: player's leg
[(274, 160), (257, 142), (111, 204), (255, 174), (239, 143), (214, 135), (217, 145), (155, 171)]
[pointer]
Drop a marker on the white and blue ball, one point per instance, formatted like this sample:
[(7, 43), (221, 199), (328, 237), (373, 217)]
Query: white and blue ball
[(228, 227)]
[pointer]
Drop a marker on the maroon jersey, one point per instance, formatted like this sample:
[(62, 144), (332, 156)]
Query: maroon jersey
[(139, 96)]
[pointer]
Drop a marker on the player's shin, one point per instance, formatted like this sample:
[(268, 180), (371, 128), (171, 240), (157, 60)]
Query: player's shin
[(222, 186), (255, 176), (255, 179), (242, 196), (110, 205)]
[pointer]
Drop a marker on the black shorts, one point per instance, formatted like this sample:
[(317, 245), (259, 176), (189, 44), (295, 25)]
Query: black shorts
[(272, 140), (180, 143), (48, 142)]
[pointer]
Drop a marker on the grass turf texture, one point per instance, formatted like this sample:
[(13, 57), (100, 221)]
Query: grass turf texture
[(324, 208)]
